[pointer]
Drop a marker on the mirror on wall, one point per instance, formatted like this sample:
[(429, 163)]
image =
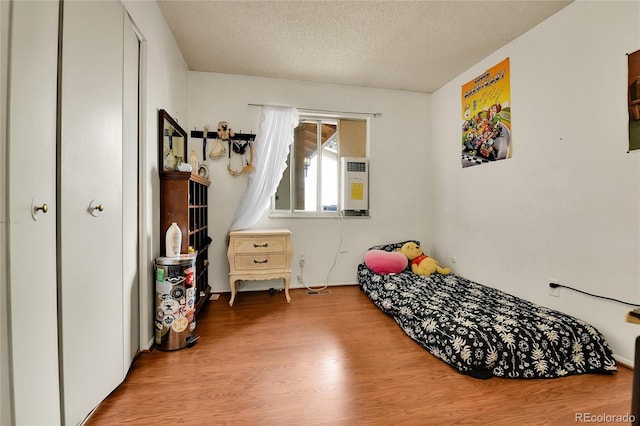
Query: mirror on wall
[(172, 142)]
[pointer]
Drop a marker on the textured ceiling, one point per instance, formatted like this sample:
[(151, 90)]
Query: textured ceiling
[(404, 45)]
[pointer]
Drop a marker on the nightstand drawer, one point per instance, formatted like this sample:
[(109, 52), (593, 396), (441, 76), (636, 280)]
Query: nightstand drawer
[(258, 244), (251, 262)]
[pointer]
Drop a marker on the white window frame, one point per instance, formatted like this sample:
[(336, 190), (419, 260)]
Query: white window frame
[(273, 213)]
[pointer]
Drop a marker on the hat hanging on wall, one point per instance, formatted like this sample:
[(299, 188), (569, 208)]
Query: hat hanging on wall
[(218, 150)]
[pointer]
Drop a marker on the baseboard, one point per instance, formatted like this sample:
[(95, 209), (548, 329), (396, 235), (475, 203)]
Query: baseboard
[(149, 345), (276, 284), (624, 362)]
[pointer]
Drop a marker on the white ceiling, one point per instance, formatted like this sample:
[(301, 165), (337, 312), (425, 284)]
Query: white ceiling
[(404, 45)]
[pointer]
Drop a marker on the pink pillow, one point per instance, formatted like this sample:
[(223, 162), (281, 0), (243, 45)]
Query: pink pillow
[(385, 262)]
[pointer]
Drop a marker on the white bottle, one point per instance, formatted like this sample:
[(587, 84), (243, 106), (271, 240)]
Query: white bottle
[(173, 240)]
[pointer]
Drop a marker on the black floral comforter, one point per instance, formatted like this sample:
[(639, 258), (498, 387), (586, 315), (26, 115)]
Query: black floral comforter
[(485, 332)]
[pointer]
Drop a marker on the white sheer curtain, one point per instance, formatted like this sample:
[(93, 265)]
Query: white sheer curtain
[(270, 160)]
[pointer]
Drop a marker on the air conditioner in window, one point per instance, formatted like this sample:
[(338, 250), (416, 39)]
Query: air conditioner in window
[(354, 186)]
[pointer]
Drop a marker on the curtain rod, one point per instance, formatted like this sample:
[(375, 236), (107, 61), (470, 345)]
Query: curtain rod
[(374, 114)]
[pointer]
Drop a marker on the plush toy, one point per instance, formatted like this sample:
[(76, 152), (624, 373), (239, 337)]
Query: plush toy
[(224, 131), (421, 264)]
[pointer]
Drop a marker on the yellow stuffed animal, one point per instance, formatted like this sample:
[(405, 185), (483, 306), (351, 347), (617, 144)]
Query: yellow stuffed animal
[(421, 264)]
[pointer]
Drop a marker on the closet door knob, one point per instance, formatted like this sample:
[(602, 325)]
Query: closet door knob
[(95, 208), (36, 207)]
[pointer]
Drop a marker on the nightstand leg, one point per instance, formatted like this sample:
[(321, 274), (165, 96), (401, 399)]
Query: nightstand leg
[(234, 288), (286, 289)]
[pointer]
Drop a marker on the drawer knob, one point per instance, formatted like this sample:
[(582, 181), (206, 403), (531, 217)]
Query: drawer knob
[(260, 261), (260, 245)]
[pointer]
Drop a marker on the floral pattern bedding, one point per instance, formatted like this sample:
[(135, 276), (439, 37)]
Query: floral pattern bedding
[(484, 332)]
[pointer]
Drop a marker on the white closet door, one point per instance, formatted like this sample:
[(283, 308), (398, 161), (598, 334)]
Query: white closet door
[(91, 221), (31, 139)]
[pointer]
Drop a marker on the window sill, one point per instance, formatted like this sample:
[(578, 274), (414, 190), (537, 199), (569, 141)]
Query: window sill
[(315, 215)]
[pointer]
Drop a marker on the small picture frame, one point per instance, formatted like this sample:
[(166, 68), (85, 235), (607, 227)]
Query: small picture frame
[(203, 172), (172, 140)]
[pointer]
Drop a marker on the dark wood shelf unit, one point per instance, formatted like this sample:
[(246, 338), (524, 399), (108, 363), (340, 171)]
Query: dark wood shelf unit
[(184, 200)]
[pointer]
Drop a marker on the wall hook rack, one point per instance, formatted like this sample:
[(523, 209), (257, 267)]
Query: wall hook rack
[(198, 134)]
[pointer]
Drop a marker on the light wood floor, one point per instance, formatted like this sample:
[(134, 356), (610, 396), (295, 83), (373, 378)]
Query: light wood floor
[(333, 359)]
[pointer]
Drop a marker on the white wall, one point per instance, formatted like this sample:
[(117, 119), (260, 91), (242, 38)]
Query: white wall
[(566, 206), (164, 86), (398, 158)]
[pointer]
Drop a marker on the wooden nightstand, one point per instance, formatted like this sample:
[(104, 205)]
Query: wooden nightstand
[(259, 254)]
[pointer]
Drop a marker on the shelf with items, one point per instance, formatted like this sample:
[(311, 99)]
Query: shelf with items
[(184, 200)]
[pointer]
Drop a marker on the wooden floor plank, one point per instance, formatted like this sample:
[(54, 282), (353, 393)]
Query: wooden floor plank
[(333, 359)]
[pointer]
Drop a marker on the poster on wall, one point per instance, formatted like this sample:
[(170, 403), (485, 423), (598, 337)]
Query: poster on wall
[(486, 117), (633, 99)]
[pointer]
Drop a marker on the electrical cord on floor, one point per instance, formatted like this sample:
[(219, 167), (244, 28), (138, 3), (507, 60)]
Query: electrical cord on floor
[(556, 285), (301, 278), (301, 281), (335, 259)]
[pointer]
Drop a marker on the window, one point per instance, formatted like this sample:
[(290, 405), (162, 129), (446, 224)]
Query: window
[(310, 183)]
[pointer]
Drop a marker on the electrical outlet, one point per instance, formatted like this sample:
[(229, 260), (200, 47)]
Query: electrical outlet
[(555, 292), (302, 259)]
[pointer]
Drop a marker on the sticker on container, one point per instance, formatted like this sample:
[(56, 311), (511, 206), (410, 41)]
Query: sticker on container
[(190, 273), (192, 326), (163, 287), (175, 280), (158, 333), (184, 310), (180, 324), (158, 325), (168, 320), (170, 306), (178, 292), (160, 274)]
